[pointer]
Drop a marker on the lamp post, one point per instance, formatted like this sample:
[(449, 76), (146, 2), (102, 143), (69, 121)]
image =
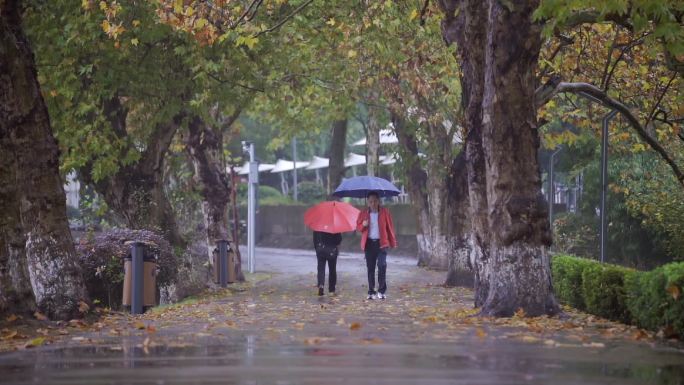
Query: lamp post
[(551, 188), (251, 203)]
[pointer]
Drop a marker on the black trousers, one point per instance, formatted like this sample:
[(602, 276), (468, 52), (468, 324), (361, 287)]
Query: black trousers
[(331, 259), (376, 256)]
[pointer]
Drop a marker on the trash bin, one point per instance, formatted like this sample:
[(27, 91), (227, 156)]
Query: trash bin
[(149, 280), (231, 273)]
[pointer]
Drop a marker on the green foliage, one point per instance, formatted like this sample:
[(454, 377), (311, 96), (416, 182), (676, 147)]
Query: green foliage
[(567, 284), (656, 298), (603, 291), (653, 299), (310, 192)]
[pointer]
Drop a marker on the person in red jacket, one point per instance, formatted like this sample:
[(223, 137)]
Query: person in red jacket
[(377, 234)]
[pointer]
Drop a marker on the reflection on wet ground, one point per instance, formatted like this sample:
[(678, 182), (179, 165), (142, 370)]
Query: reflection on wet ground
[(388, 348)]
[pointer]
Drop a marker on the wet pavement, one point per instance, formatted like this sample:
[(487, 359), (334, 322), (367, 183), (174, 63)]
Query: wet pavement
[(275, 330)]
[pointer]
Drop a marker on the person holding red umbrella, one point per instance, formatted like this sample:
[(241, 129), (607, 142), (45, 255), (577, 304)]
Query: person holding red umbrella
[(328, 220), (326, 246)]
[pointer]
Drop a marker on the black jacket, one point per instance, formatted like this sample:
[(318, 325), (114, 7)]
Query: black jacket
[(326, 239)]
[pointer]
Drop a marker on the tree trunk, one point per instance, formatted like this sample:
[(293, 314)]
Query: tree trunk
[(205, 145), (51, 258), (337, 147), (460, 269), (15, 286), (519, 271), (416, 183), (136, 192), (466, 27), (373, 138)]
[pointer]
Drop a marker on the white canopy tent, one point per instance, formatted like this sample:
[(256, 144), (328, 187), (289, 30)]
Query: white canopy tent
[(283, 165), (387, 136), (318, 162), (244, 169), (354, 160)]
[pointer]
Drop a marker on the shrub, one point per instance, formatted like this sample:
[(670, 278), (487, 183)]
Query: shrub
[(310, 192), (567, 279), (101, 257), (603, 291), (655, 298)]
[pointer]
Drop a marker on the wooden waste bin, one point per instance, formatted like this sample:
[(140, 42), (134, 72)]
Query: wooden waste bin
[(149, 283)]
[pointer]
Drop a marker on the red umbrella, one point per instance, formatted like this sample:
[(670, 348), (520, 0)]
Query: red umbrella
[(331, 217)]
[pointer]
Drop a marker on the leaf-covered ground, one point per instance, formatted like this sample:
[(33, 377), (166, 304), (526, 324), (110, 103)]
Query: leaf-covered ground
[(278, 312)]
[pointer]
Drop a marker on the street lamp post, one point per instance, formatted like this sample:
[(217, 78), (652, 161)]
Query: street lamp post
[(251, 204), (604, 171), (551, 188), (604, 181)]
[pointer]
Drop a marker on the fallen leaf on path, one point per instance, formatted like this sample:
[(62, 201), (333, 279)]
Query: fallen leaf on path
[(317, 340), (355, 326), (594, 345), (372, 341), (10, 335), (83, 307), (63, 332), (42, 331), (35, 342), (530, 339), (11, 318), (139, 325), (40, 316), (480, 333)]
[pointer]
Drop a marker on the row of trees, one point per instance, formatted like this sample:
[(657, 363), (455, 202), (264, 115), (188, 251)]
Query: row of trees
[(130, 84)]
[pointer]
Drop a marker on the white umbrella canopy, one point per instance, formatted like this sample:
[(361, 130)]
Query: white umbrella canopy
[(354, 160), (244, 169), (283, 165), (318, 162)]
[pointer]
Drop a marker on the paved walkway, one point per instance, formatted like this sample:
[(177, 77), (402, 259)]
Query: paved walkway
[(275, 330)]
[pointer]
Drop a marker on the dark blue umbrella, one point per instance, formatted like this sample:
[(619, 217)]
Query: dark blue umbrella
[(360, 186)]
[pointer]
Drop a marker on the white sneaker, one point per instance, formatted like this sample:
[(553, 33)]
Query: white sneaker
[(371, 296), (381, 296)]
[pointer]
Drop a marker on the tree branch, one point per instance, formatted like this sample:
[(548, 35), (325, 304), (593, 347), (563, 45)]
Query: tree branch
[(288, 17), (589, 89)]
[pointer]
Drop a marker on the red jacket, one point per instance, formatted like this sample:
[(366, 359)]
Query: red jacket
[(387, 237)]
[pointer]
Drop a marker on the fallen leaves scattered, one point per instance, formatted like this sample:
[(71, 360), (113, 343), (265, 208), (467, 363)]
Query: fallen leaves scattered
[(355, 326)]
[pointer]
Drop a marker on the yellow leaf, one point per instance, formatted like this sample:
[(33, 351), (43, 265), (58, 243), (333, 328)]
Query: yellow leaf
[(351, 54), (136, 23), (189, 11), (674, 291), (355, 326), (480, 333), (139, 325), (414, 14), (35, 342), (135, 41), (103, 5), (330, 21), (106, 26)]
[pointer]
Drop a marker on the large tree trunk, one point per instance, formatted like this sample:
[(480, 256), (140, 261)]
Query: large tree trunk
[(460, 269), (466, 27), (51, 258), (338, 144), (520, 276), (205, 145), (15, 286)]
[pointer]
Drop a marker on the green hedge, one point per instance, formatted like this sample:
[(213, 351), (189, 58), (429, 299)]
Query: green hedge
[(655, 298), (652, 300)]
